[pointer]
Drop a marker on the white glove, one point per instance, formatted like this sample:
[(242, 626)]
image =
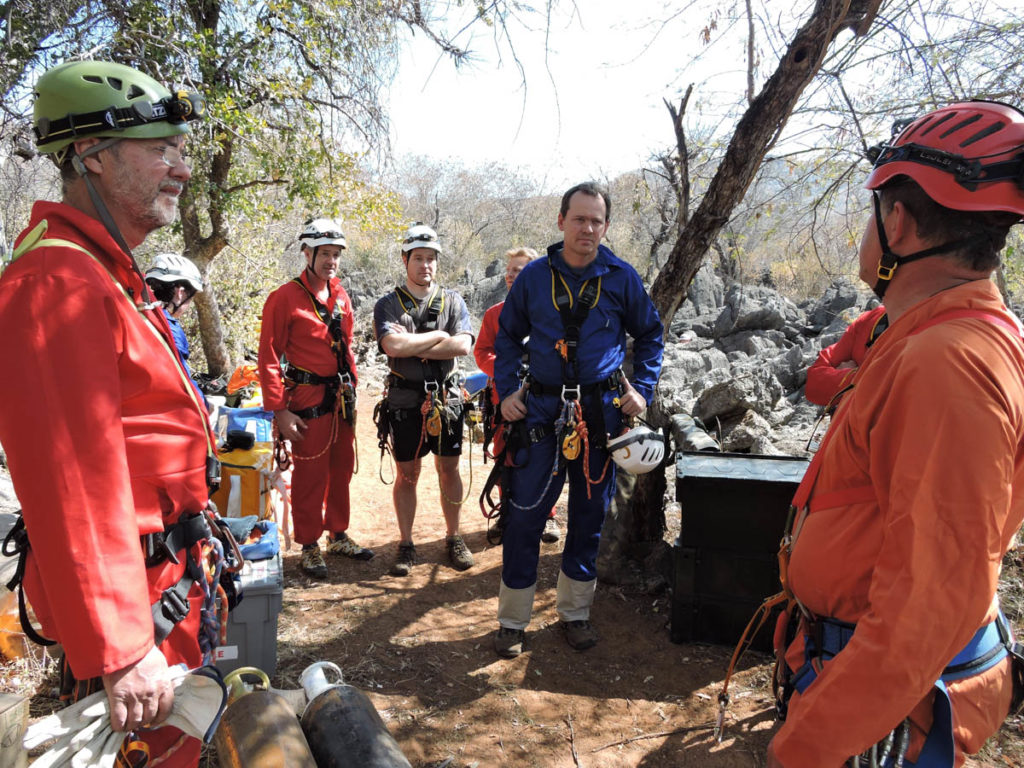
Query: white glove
[(199, 700), (85, 739), (82, 727)]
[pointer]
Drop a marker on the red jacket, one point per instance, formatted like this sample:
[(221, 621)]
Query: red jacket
[(292, 327), (104, 438), (933, 430), (483, 352), (824, 379)]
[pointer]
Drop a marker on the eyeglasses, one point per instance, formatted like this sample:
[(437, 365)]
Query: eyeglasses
[(172, 155)]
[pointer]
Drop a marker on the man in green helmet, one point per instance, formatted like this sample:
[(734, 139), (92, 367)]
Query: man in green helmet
[(108, 444)]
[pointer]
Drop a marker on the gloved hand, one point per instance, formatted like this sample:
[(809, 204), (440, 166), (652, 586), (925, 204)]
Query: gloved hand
[(199, 700), (85, 739)]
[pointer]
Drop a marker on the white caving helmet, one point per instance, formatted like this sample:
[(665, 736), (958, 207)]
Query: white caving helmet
[(638, 450), (172, 268), (419, 235), (322, 231)]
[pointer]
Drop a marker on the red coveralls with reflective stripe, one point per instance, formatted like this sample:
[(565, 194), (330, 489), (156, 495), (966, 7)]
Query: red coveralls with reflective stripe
[(291, 327), (105, 443), (935, 426)]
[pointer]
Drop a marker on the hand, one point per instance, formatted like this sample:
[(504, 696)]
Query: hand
[(396, 328), (513, 407), (846, 364), (141, 694), (630, 402), (291, 427)]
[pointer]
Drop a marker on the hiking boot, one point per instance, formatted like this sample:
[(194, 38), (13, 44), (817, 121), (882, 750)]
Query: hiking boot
[(552, 532), (343, 544), (580, 635), (404, 562), (313, 562), (508, 642), (458, 553)]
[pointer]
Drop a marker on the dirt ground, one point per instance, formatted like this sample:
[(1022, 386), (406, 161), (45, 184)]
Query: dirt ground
[(421, 648)]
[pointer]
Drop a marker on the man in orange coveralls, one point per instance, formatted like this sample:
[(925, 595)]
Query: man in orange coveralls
[(108, 444), (483, 353), (832, 372), (308, 321), (918, 489)]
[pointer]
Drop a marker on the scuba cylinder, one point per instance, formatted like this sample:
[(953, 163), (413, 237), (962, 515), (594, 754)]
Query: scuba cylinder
[(342, 726), (259, 728)]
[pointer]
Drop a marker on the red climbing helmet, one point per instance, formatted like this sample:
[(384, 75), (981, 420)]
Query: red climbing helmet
[(967, 156)]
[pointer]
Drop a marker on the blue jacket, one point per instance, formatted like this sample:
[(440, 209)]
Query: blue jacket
[(623, 307), (181, 344)]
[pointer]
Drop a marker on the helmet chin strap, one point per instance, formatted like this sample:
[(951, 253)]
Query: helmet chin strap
[(105, 217), (890, 261)]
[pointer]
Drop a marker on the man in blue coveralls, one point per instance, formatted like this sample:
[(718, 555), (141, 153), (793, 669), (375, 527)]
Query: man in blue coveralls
[(574, 308)]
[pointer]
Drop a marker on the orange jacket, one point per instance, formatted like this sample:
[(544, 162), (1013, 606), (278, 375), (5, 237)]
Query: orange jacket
[(291, 327), (824, 379), (105, 441), (935, 427)]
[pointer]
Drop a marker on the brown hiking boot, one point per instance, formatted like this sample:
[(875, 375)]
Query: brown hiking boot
[(458, 553), (404, 561), (508, 642), (580, 635), (313, 562), (552, 532), (343, 544)]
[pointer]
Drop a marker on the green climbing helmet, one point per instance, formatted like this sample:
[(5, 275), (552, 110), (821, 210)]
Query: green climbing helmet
[(81, 99)]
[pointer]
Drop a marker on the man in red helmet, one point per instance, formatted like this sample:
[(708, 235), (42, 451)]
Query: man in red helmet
[(918, 489)]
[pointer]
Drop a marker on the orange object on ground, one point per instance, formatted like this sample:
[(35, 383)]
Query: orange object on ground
[(244, 376), (934, 425)]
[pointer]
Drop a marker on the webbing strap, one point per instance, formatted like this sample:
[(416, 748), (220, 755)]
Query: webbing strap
[(41, 242), (332, 319), (573, 312)]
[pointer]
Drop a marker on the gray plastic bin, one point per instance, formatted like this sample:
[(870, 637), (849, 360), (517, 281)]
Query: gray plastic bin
[(252, 626)]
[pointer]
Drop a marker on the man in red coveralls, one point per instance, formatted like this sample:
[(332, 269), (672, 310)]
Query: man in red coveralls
[(917, 491), (107, 442), (308, 321)]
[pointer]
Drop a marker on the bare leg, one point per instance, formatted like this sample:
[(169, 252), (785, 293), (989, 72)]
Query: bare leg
[(451, 490), (404, 494)]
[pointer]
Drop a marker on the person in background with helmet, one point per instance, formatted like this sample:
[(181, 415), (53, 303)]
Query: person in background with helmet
[(108, 445), (174, 280), (571, 312), (483, 353), (308, 321), (917, 491), (423, 328)]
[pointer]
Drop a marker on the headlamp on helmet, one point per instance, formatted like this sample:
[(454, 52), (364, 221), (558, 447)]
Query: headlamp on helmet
[(99, 98), (419, 235), (322, 231)]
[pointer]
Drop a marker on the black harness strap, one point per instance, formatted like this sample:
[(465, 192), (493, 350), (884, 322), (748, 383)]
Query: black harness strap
[(425, 317), (332, 319), (158, 547), (573, 312)]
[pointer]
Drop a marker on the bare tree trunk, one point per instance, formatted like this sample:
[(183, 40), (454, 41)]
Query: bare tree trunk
[(755, 133)]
